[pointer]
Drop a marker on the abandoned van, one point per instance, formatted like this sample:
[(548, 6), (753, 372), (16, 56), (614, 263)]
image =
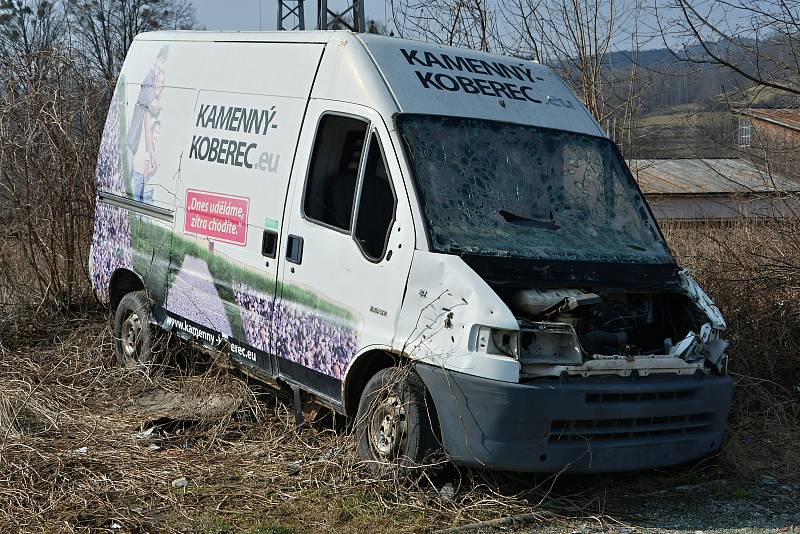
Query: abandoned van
[(440, 244)]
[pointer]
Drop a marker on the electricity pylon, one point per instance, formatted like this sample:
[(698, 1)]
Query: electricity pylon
[(326, 19), (330, 20), (289, 8)]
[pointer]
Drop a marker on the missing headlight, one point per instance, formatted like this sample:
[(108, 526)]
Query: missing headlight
[(497, 341), (549, 343)]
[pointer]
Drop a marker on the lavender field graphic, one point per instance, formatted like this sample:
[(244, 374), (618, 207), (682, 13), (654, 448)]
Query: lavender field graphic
[(192, 295), (302, 335), (111, 241)]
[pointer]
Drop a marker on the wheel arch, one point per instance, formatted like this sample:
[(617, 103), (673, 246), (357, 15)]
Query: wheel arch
[(123, 281), (364, 367)]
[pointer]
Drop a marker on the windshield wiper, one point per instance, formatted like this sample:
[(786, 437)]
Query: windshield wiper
[(513, 218)]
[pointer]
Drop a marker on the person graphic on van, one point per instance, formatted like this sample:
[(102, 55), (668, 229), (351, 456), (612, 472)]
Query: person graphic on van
[(145, 127), (144, 167)]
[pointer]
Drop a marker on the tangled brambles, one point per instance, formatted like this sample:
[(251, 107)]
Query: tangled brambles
[(86, 445), (752, 270), (23, 412)]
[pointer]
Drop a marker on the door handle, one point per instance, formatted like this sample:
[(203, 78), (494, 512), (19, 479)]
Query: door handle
[(269, 244), (294, 249)]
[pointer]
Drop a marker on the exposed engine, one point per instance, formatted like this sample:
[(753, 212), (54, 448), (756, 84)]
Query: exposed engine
[(572, 326)]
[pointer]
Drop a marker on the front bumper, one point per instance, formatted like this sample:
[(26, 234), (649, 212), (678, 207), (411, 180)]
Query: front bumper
[(601, 424)]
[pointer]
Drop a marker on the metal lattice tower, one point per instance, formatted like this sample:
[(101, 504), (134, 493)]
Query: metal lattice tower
[(330, 20), (288, 9), (326, 18)]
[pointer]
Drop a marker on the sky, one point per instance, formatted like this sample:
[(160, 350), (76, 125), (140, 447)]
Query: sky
[(257, 15), (244, 14), (262, 15)]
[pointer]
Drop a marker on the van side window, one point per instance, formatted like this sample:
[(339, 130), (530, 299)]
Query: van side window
[(376, 205), (331, 183)]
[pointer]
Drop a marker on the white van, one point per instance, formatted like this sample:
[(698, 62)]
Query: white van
[(439, 243)]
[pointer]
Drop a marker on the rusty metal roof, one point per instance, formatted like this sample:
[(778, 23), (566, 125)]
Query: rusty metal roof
[(787, 117), (705, 176)]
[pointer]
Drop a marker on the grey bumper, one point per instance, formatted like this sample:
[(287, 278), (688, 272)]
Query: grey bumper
[(597, 425)]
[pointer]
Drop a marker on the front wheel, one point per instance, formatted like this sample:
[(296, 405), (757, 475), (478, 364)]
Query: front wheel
[(393, 424), (133, 332)]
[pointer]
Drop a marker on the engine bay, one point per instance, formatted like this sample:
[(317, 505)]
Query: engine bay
[(600, 331)]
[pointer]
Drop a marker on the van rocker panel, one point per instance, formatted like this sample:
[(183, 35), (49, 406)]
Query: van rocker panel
[(586, 425)]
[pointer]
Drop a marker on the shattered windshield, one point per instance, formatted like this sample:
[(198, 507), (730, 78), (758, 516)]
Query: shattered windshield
[(499, 189)]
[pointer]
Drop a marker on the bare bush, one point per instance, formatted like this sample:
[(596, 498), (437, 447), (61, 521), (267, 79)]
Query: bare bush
[(752, 270), (58, 64), (122, 438), (48, 140)]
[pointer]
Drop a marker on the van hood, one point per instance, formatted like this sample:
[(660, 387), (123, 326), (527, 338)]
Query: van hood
[(509, 272)]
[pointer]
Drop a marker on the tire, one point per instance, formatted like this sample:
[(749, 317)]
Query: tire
[(393, 424), (134, 334)]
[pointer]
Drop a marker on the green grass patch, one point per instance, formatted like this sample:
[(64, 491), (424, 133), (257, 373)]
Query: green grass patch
[(149, 237), (150, 257), (271, 528), (122, 133), (234, 314), (218, 524)]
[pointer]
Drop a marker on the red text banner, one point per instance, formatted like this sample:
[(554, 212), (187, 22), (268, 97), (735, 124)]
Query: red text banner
[(220, 217)]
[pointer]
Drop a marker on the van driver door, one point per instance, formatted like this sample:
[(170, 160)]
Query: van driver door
[(346, 246)]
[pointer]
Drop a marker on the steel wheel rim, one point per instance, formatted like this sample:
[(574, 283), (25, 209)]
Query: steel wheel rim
[(131, 336), (388, 428)]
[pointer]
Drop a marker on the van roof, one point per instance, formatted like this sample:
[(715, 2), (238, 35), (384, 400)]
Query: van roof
[(436, 79), (305, 36), (427, 78)]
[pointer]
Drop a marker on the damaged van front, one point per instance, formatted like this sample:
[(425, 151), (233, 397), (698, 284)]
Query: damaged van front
[(563, 334)]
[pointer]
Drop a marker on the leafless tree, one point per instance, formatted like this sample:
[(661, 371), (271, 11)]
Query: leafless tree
[(104, 29), (58, 65), (574, 37), (467, 23), (29, 32), (758, 41), (758, 44)]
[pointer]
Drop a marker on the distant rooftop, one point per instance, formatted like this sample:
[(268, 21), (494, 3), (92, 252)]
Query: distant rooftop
[(787, 117), (705, 176)]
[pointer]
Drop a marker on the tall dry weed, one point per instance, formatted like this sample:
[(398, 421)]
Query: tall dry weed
[(49, 131), (751, 268)]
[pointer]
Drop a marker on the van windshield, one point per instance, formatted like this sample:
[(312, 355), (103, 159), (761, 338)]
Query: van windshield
[(497, 189)]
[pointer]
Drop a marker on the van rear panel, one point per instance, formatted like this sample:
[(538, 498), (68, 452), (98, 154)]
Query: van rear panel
[(192, 176)]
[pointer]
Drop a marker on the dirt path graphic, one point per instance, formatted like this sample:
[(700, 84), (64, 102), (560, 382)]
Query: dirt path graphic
[(193, 296)]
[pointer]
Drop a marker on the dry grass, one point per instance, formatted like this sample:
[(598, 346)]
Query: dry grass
[(73, 458), (752, 271), (71, 451)]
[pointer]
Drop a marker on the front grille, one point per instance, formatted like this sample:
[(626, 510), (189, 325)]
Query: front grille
[(592, 398), (590, 430)]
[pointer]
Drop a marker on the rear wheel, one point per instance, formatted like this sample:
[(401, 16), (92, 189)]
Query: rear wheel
[(393, 424), (133, 332)]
